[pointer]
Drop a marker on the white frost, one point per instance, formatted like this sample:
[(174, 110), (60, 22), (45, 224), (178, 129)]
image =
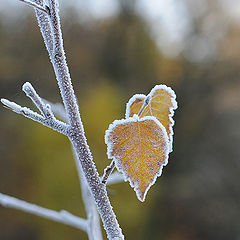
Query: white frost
[(62, 216), (171, 109), (119, 166), (49, 23), (130, 101), (12, 105), (111, 127), (27, 87), (150, 96)]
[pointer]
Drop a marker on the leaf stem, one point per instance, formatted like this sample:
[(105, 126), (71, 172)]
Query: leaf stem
[(145, 104), (45, 109), (108, 170)]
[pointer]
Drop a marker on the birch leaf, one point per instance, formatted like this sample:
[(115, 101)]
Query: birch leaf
[(160, 103), (139, 147), (135, 104)]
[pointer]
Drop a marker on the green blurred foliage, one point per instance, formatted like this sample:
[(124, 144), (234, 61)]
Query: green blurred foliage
[(197, 197)]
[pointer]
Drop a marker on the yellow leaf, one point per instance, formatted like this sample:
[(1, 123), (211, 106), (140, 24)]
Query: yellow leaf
[(134, 105), (160, 103), (139, 148)]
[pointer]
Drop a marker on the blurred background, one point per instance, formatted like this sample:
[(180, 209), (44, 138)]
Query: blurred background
[(116, 48)]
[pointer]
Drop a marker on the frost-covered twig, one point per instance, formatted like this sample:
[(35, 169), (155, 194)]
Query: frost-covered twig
[(61, 216), (77, 136), (94, 229), (35, 5), (45, 28), (26, 112), (45, 109), (53, 40), (58, 110), (108, 170), (89, 203)]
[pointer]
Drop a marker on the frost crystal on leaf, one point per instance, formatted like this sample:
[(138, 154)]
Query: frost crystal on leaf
[(140, 144), (139, 148), (160, 103)]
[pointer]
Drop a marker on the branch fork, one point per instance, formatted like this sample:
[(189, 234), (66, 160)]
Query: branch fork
[(46, 117), (43, 8)]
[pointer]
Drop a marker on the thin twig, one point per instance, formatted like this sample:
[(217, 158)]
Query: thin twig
[(51, 31), (26, 112), (77, 136), (45, 28), (108, 170), (37, 6), (94, 229), (58, 110), (61, 216), (45, 109)]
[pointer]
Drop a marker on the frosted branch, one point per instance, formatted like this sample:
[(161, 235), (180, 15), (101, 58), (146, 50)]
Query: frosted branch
[(77, 136), (45, 109), (37, 6), (26, 112), (61, 216), (49, 24), (94, 229), (58, 110), (108, 170)]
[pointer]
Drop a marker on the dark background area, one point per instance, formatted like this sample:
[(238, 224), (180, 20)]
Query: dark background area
[(198, 195)]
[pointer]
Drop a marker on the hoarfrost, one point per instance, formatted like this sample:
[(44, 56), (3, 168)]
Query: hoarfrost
[(150, 97), (110, 141), (130, 102), (171, 109)]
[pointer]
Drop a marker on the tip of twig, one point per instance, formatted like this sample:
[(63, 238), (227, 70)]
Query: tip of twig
[(4, 101), (5, 104), (27, 86), (10, 105)]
